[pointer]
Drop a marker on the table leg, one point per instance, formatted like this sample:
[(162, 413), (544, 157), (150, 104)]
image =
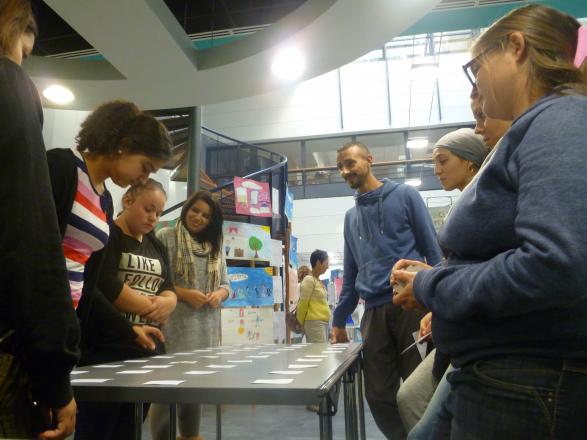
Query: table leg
[(172, 421), (360, 397), (218, 422), (350, 404), (325, 419), (138, 420)]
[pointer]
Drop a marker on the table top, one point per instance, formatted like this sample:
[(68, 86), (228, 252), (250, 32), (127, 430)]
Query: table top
[(226, 374)]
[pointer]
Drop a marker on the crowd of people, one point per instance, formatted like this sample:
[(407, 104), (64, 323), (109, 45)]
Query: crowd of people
[(501, 292)]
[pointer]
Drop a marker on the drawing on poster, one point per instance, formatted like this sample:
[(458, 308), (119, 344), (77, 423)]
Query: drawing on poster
[(252, 197), (244, 241), (247, 325), (250, 286)]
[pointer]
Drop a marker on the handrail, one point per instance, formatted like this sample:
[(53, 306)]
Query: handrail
[(280, 164), (376, 164)]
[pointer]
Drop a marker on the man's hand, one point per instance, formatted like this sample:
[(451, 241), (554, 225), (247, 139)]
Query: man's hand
[(160, 309), (144, 333), (426, 325), (197, 299), (215, 298), (339, 335), (62, 418), (403, 264)]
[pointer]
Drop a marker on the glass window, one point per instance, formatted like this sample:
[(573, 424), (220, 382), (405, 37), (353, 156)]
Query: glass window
[(322, 152), (385, 147)]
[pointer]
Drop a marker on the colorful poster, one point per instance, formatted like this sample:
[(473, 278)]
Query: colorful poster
[(244, 241), (251, 286), (247, 325), (288, 206), (252, 197)]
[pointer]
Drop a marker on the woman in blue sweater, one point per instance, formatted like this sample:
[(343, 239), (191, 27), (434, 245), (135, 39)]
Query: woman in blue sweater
[(510, 303)]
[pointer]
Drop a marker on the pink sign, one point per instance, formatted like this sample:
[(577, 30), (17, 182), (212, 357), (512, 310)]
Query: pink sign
[(252, 197)]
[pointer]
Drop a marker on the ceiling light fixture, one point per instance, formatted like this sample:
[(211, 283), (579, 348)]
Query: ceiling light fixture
[(288, 64), (58, 94), (417, 143)]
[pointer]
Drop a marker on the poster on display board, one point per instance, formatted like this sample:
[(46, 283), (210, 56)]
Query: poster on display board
[(244, 241), (247, 325), (293, 251), (252, 197), (288, 206), (251, 286)]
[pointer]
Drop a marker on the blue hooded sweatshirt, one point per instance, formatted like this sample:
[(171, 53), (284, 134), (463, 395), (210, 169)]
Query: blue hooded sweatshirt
[(386, 225), (515, 278)]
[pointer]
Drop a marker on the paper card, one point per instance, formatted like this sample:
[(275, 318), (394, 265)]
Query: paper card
[(241, 361), (301, 366), (331, 351), (183, 362), (273, 381), (316, 356), (108, 366), (220, 366), (136, 361), (210, 357), (164, 382), (309, 360), (162, 357), (183, 354), (89, 380), (197, 373), (225, 352), (288, 372), (285, 349), (134, 372), (258, 357), (78, 372), (156, 366), (299, 345), (201, 351), (268, 352)]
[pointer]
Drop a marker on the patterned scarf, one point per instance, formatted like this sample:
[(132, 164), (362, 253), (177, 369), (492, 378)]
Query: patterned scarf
[(188, 249)]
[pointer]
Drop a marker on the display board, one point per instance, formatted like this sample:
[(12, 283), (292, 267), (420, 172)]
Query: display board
[(247, 325)]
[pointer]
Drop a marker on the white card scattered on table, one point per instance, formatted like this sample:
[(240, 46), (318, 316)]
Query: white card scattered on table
[(273, 381), (285, 349), (309, 360), (136, 361), (210, 357), (316, 356), (134, 372), (183, 354), (164, 382), (89, 380), (107, 366), (196, 372), (225, 352), (220, 366), (264, 356), (156, 366), (301, 366), (268, 352), (201, 351), (183, 362), (242, 361), (332, 351), (78, 372), (288, 372), (162, 357)]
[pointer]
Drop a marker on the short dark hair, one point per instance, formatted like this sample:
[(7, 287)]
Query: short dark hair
[(16, 18), (318, 255), (352, 144), (213, 232), (121, 126)]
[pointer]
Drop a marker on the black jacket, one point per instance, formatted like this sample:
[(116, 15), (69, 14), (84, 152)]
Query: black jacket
[(35, 299)]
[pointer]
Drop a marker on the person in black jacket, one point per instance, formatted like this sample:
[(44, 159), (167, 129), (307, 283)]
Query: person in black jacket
[(135, 275), (38, 327)]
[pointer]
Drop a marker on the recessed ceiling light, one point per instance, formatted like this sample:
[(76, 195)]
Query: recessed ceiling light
[(413, 182), (288, 64), (58, 94), (417, 142)]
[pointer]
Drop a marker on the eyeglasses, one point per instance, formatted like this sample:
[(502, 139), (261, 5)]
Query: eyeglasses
[(472, 67)]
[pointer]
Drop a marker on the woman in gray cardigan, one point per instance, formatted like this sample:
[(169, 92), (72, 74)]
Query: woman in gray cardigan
[(194, 246)]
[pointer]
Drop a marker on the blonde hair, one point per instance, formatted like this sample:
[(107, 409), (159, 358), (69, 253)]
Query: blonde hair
[(16, 18), (551, 42)]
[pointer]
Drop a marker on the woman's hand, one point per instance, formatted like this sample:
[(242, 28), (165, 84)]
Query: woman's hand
[(144, 336), (215, 298), (403, 265), (197, 299), (426, 325), (161, 307)]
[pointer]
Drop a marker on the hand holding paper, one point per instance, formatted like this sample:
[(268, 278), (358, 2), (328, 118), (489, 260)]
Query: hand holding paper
[(402, 278)]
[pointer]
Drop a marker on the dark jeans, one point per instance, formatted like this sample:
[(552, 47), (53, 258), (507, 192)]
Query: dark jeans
[(106, 420), (518, 399), (386, 331)]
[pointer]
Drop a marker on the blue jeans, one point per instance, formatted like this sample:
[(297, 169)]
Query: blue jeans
[(517, 398)]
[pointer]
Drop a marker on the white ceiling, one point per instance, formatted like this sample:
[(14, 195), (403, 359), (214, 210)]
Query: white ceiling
[(150, 60)]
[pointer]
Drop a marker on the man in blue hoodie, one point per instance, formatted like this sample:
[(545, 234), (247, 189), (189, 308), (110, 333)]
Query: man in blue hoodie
[(389, 222)]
